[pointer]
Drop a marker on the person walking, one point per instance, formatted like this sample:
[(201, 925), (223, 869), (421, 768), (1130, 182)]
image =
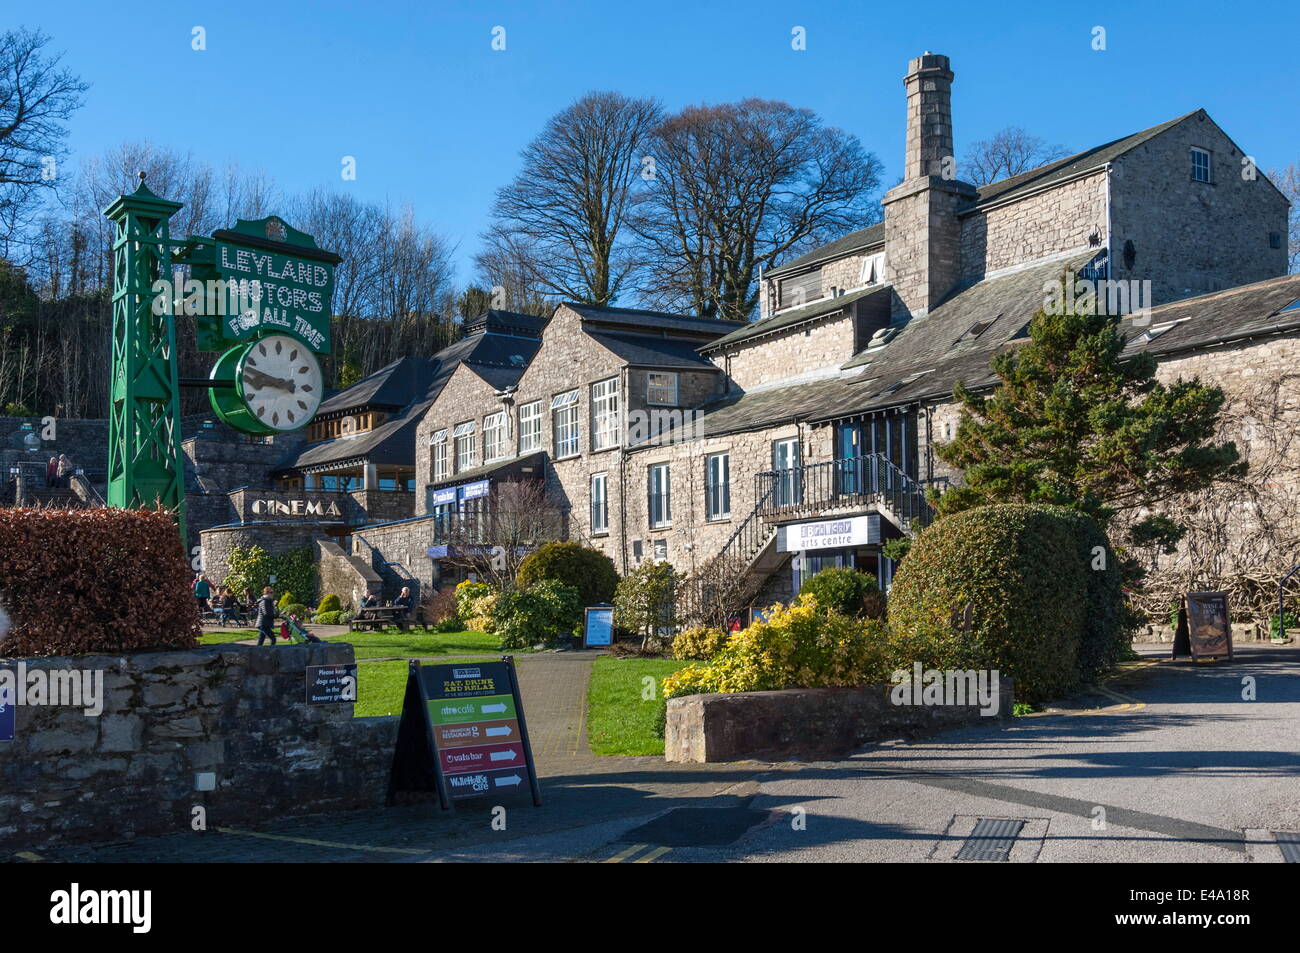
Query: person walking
[(52, 472), (64, 470), (266, 614)]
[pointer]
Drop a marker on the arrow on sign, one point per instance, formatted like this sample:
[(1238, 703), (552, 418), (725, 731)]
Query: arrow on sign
[(502, 755), (493, 708), (494, 732), (514, 780)]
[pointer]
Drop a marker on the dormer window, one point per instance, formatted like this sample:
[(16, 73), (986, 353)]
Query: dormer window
[(873, 270), (975, 330), (1200, 165)]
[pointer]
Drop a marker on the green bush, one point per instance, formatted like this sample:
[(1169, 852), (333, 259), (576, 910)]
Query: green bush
[(301, 611), (330, 617), (449, 624), (644, 600), (466, 593), (588, 570), (331, 603), (544, 612), (1030, 590), (1292, 624), (253, 567), (700, 643), (287, 599), (843, 590)]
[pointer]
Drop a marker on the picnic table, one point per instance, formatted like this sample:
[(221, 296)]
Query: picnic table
[(377, 617)]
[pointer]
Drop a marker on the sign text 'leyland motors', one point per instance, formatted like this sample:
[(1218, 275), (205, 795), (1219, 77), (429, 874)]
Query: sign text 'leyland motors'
[(292, 294)]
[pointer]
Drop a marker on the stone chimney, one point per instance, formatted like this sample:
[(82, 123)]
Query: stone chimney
[(922, 233)]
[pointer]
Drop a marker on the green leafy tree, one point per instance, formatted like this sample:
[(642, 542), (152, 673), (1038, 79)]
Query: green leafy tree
[(1073, 423), (587, 570)]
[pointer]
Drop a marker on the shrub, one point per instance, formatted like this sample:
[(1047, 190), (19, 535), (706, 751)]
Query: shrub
[(329, 617), (450, 624), (331, 603), (701, 642), (441, 606), (1030, 590), (466, 593), (843, 590), (287, 599), (644, 600), (803, 645), (77, 582), (544, 612), (588, 570), (346, 616), (296, 608)]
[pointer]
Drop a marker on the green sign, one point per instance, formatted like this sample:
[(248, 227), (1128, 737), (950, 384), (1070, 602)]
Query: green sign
[(263, 277), (451, 711)]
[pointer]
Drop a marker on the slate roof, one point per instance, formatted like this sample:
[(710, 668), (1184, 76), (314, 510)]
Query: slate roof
[(393, 385), (499, 358), (535, 461), (795, 316), (640, 350), (862, 238), (655, 321), (931, 354)]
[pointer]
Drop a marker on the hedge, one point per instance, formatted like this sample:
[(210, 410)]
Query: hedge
[(1030, 590), (842, 589), (588, 570), (80, 582)]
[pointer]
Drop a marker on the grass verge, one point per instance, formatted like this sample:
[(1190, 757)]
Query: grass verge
[(619, 719)]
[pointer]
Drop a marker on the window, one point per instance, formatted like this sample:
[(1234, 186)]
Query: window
[(564, 424), (1200, 165), (717, 486), (661, 388), (661, 495), (494, 437), (599, 503), (530, 427), (873, 270), (604, 414), (788, 489), (440, 471), (466, 446)]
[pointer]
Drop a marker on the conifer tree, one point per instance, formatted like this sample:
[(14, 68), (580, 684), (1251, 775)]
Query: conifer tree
[(1076, 422)]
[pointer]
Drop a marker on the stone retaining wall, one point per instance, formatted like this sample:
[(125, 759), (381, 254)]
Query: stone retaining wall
[(232, 717), (805, 723)]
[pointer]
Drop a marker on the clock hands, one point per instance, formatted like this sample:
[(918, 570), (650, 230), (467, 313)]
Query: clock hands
[(258, 379)]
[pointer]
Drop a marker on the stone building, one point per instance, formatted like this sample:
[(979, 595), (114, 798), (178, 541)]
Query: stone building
[(806, 438)]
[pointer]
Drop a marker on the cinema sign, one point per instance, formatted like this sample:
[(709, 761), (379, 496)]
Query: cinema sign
[(317, 508)]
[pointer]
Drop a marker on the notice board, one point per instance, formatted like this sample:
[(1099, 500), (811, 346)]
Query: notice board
[(1204, 629), (463, 734)]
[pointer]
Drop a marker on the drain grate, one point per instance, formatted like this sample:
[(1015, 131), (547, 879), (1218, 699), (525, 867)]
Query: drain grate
[(1289, 841), (991, 839), (697, 827)]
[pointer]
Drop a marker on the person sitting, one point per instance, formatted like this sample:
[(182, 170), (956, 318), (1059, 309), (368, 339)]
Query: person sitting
[(227, 607)]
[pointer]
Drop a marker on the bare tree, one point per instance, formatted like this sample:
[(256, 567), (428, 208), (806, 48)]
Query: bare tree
[(1009, 152), (1288, 180), (561, 220), (36, 97), (737, 187), (519, 516)]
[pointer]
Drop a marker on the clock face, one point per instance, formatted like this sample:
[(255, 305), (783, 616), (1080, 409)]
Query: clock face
[(281, 382)]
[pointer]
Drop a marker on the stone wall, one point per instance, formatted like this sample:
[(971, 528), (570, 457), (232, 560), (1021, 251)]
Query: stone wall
[(231, 718), (800, 350), (806, 723), (274, 537), (347, 576), (1190, 237), (1068, 217)]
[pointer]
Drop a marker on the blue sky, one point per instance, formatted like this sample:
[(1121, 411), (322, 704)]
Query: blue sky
[(436, 118)]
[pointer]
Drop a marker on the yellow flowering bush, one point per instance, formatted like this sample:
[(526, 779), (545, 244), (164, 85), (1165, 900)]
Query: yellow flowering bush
[(475, 603), (700, 642), (798, 646)]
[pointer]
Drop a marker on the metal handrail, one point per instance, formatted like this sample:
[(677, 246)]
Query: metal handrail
[(851, 481)]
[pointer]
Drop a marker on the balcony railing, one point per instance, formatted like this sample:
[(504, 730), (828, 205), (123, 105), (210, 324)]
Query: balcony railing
[(853, 482)]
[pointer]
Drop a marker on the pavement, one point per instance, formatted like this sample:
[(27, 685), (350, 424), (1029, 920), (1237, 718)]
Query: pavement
[(1168, 763)]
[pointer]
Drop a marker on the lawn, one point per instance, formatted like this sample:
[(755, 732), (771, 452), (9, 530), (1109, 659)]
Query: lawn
[(381, 686), (227, 635), (619, 720), (389, 643)]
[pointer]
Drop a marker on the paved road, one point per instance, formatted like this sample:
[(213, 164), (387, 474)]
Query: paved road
[(1175, 766)]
